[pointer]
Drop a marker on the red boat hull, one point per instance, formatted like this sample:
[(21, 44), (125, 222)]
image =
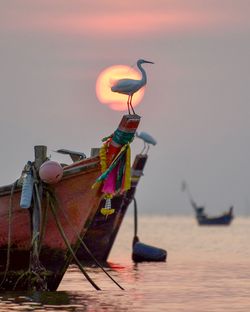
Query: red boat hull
[(72, 205), (77, 204)]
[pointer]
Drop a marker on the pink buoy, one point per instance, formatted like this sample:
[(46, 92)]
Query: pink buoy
[(51, 172)]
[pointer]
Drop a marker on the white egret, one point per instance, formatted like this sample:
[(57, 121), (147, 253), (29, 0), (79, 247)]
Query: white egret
[(147, 139), (130, 86)]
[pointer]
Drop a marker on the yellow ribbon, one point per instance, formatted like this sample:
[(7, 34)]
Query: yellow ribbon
[(127, 178)]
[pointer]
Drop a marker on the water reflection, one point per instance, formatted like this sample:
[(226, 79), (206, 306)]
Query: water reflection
[(52, 301), (207, 270), (21, 300)]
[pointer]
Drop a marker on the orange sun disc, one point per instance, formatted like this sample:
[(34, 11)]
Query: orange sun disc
[(107, 78)]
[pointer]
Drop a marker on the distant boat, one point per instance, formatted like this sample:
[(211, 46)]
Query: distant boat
[(202, 218)]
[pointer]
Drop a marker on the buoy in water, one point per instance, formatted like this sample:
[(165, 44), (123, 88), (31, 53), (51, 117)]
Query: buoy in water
[(143, 252), (51, 172)]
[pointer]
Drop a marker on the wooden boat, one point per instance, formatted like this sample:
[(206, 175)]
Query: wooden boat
[(37, 244), (203, 219), (103, 230), (75, 199)]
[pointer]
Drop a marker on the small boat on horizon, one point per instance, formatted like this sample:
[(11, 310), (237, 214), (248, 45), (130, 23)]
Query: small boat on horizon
[(202, 217)]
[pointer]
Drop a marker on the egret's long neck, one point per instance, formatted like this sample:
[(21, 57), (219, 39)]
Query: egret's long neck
[(144, 76)]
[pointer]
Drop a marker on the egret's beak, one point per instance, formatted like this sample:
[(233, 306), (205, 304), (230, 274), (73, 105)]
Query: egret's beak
[(149, 62)]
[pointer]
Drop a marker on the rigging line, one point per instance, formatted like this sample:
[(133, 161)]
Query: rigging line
[(9, 232), (42, 215), (43, 224), (89, 251), (60, 228), (37, 194)]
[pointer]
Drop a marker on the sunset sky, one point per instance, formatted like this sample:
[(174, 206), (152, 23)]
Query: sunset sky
[(196, 102)]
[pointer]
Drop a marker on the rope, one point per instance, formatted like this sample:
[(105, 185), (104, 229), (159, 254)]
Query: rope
[(38, 199), (9, 232), (60, 228), (89, 252), (29, 276), (98, 263), (43, 224), (35, 276), (92, 256), (39, 205)]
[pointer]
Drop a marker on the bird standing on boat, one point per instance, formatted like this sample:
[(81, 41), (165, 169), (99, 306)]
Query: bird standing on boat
[(147, 140), (130, 86)]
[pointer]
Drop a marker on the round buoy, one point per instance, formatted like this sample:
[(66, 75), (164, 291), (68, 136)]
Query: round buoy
[(51, 172)]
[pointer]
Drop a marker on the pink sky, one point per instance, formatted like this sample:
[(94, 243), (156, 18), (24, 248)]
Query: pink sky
[(111, 19)]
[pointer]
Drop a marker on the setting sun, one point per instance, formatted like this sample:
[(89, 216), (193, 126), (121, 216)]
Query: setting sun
[(107, 78)]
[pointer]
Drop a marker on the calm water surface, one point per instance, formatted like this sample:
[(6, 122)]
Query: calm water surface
[(208, 269)]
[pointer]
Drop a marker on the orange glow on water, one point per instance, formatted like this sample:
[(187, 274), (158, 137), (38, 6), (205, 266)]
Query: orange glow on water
[(107, 78)]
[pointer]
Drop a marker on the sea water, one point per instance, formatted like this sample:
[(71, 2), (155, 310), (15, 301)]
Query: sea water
[(207, 269)]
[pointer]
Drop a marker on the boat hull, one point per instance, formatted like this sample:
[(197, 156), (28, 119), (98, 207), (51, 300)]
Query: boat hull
[(76, 205), (222, 220), (103, 230)]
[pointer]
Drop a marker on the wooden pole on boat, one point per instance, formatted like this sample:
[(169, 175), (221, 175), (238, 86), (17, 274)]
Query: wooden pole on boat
[(36, 216), (40, 155), (127, 126)]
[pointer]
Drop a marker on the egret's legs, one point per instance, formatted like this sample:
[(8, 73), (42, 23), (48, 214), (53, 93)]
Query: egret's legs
[(148, 146), (144, 147), (128, 105), (131, 104)]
